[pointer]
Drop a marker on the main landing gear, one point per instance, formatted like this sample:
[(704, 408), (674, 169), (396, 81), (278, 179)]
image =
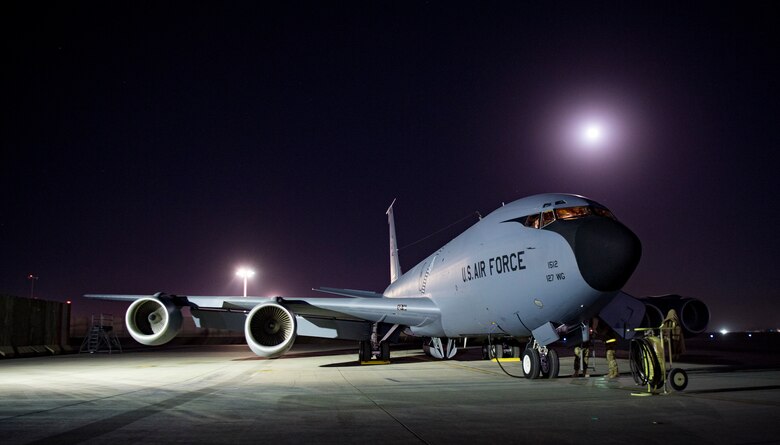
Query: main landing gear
[(367, 354), (376, 350), (499, 350)]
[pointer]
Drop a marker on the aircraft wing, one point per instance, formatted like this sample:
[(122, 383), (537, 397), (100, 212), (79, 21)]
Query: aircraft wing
[(325, 317), (197, 302), (404, 311)]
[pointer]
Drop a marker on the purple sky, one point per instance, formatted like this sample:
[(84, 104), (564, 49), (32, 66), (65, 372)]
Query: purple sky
[(157, 146)]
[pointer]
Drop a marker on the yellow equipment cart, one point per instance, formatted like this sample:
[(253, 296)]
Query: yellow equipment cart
[(648, 356)]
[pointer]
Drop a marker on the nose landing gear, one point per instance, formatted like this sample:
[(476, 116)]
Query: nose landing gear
[(536, 360), (539, 360)]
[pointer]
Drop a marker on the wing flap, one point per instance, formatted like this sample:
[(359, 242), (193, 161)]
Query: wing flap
[(413, 312)]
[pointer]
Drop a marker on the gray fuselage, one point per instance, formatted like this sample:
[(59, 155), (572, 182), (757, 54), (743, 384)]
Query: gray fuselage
[(506, 275)]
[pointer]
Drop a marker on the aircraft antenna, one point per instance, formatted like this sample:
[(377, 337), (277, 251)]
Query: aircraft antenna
[(442, 229)]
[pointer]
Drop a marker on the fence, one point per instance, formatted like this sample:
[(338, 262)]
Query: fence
[(32, 326)]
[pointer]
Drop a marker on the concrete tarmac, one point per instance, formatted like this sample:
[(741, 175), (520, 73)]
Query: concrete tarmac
[(319, 395)]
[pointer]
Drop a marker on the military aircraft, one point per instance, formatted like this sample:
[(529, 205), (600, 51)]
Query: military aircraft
[(533, 269)]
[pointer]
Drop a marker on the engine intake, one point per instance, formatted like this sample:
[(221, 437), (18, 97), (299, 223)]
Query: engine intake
[(270, 330), (154, 320)]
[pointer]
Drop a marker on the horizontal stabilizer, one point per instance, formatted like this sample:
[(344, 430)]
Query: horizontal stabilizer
[(114, 297)]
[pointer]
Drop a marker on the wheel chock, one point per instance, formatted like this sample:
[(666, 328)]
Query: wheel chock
[(375, 362)]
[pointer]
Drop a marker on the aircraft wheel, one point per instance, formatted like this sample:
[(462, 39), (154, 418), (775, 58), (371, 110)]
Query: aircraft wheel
[(678, 379), (364, 353), (551, 365), (491, 351), (385, 346), (531, 364), (515, 351)]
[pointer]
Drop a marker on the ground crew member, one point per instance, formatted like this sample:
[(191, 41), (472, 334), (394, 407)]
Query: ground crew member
[(671, 326), (581, 351), (612, 364)]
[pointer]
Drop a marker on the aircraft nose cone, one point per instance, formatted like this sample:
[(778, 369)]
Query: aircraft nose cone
[(607, 253)]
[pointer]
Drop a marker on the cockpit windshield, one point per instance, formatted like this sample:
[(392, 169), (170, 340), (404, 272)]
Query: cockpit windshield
[(572, 212), (547, 217)]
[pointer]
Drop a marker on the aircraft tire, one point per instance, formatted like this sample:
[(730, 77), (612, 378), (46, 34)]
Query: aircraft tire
[(364, 353), (553, 365), (385, 347), (491, 351), (678, 379), (516, 351), (531, 364)]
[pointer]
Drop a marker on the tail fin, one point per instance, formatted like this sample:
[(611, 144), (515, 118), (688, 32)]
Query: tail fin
[(395, 265)]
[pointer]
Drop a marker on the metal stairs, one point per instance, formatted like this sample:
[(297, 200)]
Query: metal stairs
[(101, 336)]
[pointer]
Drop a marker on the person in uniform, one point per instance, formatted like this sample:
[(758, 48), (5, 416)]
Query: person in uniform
[(612, 364), (601, 331), (671, 326), (581, 351)]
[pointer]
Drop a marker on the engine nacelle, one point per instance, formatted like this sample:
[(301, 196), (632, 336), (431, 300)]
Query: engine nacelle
[(694, 315), (270, 330), (153, 321), (653, 315)]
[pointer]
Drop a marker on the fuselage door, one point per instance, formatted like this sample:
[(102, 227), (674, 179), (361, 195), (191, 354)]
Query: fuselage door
[(425, 272)]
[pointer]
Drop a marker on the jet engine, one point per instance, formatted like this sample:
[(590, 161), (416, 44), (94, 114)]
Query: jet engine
[(154, 320), (653, 315), (694, 315), (270, 330)]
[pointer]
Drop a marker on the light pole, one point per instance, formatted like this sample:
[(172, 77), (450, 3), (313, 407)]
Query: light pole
[(245, 273), (32, 279)]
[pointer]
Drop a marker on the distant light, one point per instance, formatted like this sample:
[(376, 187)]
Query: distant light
[(67, 302), (592, 133), (245, 272), (712, 335), (750, 335), (724, 331)]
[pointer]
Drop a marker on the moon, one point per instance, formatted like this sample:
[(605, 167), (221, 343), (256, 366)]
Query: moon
[(592, 133)]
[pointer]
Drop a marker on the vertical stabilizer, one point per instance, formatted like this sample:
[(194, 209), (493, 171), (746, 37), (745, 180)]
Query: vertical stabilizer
[(395, 265)]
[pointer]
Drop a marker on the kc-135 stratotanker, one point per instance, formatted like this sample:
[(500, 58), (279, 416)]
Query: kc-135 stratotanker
[(529, 272)]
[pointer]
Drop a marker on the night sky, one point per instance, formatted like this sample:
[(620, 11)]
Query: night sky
[(157, 146)]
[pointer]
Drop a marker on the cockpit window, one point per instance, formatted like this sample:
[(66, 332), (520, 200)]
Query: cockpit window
[(532, 221), (572, 212), (547, 217), (539, 220), (601, 211)]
